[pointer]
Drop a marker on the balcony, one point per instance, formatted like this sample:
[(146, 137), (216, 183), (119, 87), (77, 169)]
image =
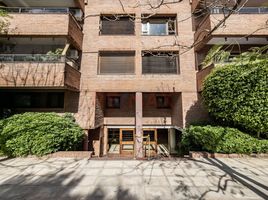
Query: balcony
[(48, 3), (56, 22), (38, 71), (201, 75), (199, 4), (239, 25)]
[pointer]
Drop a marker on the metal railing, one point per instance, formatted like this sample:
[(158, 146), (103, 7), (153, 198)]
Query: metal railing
[(244, 10), (39, 58), (35, 10)]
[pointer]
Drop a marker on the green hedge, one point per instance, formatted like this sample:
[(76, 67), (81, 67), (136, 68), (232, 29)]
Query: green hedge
[(236, 94), (219, 139), (38, 134)]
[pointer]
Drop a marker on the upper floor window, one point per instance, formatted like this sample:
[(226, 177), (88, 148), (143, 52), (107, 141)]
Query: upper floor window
[(116, 62), (160, 63), (163, 101), (158, 25), (113, 102), (117, 25)]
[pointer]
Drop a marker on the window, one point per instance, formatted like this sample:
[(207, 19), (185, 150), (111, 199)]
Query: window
[(117, 25), (117, 62), (163, 101), (33, 100), (160, 63), (150, 133), (159, 26), (113, 102)]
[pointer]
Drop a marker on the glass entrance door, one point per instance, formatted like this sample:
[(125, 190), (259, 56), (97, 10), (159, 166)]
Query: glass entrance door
[(127, 141)]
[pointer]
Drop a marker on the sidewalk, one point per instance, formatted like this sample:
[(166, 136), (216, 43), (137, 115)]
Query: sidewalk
[(63, 178)]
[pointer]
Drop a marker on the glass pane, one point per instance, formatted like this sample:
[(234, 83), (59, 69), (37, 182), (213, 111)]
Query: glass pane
[(158, 28), (22, 101), (127, 136), (150, 134)]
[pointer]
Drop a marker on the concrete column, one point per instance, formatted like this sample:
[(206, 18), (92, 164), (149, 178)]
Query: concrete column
[(105, 140), (139, 132), (172, 140), (85, 142)]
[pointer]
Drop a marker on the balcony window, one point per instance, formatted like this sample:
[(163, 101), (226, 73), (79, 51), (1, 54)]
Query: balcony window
[(117, 25), (117, 62), (160, 63), (113, 102), (159, 26), (33, 100)]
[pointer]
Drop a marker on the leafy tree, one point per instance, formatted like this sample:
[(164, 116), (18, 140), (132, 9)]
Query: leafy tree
[(39, 134), (4, 24), (237, 92)]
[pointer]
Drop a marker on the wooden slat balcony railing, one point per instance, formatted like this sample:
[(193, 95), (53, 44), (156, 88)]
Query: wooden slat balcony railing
[(38, 71)]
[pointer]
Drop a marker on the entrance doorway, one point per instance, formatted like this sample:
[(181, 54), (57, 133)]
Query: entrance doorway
[(127, 141), (156, 141)]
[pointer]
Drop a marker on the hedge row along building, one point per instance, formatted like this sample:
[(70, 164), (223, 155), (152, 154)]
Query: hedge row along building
[(130, 73)]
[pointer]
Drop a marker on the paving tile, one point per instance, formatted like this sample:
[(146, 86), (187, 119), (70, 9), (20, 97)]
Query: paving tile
[(111, 172), (132, 180), (155, 181), (131, 172), (155, 193), (108, 181), (153, 172)]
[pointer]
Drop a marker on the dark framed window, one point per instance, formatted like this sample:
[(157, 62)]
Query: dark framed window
[(160, 63), (163, 101), (33, 100), (113, 102), (159, 25), (117, 62), (150, 133), (117, 25)]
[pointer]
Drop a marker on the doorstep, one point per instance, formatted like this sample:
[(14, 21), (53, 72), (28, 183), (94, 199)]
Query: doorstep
[(203, 154)]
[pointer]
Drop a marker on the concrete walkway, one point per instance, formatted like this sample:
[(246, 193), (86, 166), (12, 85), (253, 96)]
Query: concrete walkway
[(62, 178)]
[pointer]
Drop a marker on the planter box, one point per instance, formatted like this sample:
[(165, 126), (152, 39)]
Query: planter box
[(203, 154), (71, 154)]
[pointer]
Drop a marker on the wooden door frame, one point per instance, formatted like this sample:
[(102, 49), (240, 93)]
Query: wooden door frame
[(155, 136), (128, 142)]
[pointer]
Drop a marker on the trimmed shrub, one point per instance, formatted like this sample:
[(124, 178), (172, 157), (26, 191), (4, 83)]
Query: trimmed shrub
[(237, 94), (38, 134), (217, 139)]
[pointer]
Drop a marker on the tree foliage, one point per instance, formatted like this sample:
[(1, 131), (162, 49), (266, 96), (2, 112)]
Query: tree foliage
[(237, 92), (38, 134), (4, 23), (219, 139)]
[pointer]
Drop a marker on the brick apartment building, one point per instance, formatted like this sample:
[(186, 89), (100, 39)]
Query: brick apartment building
[(117, 65)]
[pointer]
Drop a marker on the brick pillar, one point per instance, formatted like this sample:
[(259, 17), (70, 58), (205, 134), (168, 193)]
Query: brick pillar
[(85, 142), (138, 122)]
